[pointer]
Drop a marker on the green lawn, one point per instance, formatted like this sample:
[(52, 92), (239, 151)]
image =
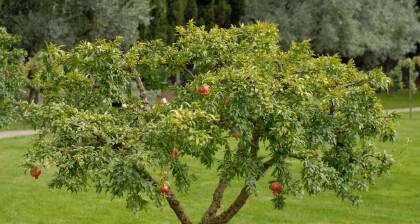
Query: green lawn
[(19, 125), (398, 99), (395, 198)]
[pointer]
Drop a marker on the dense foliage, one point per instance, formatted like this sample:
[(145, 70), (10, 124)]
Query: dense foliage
[(169, 14), (248, 108), (373, 31), (11, 80), (68, 22)]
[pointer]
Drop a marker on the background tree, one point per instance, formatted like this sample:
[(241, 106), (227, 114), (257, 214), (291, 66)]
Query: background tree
[(11, 80), (167, 14), (372, 32), (316, 118), (68, 22)]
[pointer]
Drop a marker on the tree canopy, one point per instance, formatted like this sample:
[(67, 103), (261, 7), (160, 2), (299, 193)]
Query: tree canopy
[(249, 109), (67, 22), (370, 31)]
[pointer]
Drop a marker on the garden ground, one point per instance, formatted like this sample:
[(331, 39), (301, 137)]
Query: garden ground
[(395, 198), (398, 99)]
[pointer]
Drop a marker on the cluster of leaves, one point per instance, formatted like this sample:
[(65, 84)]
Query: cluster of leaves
[(11, 80), (312, 113)]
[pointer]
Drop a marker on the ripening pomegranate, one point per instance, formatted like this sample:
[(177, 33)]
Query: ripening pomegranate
[(164, 189), (204, 90), (35, 172), (276, 187)]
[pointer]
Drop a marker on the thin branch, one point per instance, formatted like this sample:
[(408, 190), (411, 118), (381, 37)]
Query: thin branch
[(173, 202), (142, 91), (141, 88), (188, 70), (349, 84)]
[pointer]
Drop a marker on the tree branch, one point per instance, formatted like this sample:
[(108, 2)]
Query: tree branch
[(173, 202), (187, 70), (142, 91), (217, 200), (141, 88), (239, 202), (223, 183), (349, 84)]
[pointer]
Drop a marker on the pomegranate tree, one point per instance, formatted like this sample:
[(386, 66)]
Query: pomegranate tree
[(313, 115), (12, 81)]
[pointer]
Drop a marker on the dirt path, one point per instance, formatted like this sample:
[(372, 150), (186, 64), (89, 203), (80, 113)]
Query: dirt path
[(16, 133), (403, 110)]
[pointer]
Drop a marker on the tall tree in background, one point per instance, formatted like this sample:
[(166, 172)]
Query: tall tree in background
[(373, 32), (67, 22), (167, 14)]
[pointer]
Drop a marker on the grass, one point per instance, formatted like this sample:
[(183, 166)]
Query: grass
[(18, 125), (398, 99), (395, 198)]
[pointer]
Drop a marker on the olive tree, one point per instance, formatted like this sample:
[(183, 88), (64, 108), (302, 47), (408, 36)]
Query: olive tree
[(374, 32), (312, 114), (66, 22)]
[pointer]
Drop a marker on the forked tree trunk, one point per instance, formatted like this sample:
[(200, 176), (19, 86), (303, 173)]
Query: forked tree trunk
[(210, 216)]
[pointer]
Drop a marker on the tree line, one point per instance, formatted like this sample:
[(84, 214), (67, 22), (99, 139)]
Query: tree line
[(377, 32)]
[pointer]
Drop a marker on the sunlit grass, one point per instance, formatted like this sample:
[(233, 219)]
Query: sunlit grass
[(398, 99), (395, 198)]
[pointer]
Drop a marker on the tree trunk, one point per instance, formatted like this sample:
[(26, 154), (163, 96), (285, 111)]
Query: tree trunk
[(177, 208), (33, 95), (239, 202), (217, 200), (178, 79), (210, 216), (141, 88), (33, 92)]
